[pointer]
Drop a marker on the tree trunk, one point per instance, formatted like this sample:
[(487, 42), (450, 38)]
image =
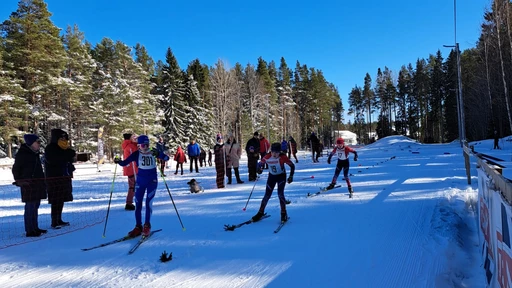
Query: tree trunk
[(488, 78), (503, 77)]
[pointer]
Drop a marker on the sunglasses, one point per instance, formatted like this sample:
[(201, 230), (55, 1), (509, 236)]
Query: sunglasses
[(144, 145)]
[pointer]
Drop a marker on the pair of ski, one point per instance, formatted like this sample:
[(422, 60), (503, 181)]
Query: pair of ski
[(322, 190), (125, 238), (233, 227)]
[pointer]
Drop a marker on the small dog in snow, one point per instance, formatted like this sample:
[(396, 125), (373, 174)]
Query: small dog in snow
[(194, 186)]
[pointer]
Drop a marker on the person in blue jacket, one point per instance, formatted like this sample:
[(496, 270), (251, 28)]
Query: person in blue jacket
[(145, 159), (193, 151)]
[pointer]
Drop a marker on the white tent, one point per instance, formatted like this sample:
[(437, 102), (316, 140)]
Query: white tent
[(349, 137)]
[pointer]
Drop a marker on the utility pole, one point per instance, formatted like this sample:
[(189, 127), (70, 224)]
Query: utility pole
[(460, 101)]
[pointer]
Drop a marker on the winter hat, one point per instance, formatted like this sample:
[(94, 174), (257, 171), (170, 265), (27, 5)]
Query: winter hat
[(276, 147), (256, 133), (127, 136), (143, 139), (219, 137), (30, 138)]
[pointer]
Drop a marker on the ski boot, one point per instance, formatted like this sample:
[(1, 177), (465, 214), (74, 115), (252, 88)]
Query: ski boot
[(350, 191), (284, 217), (146, 230), (257, 217), (331, 186), (136, 231)]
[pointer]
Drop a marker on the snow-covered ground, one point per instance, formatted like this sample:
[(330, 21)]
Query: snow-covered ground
[(411, 223)]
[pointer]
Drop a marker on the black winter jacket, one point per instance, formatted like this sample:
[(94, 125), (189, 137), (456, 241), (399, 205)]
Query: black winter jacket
[(59, 170), (255, 145), (28, 174)]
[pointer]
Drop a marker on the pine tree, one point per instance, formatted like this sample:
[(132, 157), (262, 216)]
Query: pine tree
[(403, 90), (33, 46), (369, 102), (118, 92), (254, 99), (78, 92), (357, 108), (12, 106), (450, 111), (270, 93), (437, 97), (142, 57), (287, 105), (140, 74)]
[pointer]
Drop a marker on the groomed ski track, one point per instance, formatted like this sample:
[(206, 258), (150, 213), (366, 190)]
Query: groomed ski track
[(397, 231)]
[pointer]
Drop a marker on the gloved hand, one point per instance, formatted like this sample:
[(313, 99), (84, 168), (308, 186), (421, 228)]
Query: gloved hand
[(117, 159), (355, 157), (154, 152), (260, 171), (290, 179), (329, 160)]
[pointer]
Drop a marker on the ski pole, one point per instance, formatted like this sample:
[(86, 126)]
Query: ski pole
[(306, 178), (168, 191), (110, 200), (255, 181)]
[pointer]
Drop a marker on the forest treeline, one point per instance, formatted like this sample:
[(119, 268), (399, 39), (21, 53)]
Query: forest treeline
[(53, 79), (49, 80), (420, 100)]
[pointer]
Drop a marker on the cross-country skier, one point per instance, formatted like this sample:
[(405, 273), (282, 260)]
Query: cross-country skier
[(343, 163), (145, 158), (276, 175)]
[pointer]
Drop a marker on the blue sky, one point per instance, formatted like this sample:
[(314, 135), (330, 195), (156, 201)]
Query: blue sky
[(344, 39)]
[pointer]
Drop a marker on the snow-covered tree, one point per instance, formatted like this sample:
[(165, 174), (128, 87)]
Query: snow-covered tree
[(34, 47)]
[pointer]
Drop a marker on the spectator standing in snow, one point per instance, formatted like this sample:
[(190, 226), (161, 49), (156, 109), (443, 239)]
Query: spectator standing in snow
[(202, 158), (220, 164), (292, 149), (59, 169), (496, 140), (28, 175), (233, 154), (193, 151), (129, 146), (160, 146), (252, 148), (264, 147), (180, 158)]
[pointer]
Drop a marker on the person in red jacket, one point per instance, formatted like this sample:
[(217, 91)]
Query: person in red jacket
[(342, 151), (264, 147), (129, 146), (180, 158)]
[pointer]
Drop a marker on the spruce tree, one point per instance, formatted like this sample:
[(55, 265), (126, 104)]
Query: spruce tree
[(171, 91)]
